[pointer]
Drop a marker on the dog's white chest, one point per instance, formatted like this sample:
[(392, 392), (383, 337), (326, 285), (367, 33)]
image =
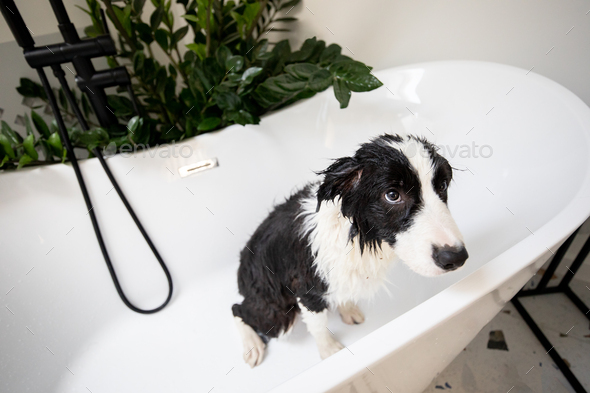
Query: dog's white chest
[(350, 275)]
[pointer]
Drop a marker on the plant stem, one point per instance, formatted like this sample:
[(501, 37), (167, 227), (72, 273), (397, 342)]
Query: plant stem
[(208, 39), (178, 54), (152, 92), (175, 64), (256, 19), (150, 51), (72, 115), (211, 96), (270, 20)]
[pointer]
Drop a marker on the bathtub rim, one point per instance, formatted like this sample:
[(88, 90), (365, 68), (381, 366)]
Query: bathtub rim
[(552, 232), (381, 343)]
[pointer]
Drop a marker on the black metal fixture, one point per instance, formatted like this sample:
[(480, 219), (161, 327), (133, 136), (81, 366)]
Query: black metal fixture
[(79, 52), (562, 287)]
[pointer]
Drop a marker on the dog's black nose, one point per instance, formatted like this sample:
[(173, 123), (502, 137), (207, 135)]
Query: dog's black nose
[(450, 258)]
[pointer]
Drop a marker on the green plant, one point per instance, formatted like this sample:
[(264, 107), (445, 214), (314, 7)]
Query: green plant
[(229, 74)]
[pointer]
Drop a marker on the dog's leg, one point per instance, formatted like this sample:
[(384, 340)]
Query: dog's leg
[(351, 314), (253, 344), (317, 325)]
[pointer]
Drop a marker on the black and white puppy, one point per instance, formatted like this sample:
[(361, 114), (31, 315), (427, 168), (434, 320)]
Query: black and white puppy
[(330, 243)]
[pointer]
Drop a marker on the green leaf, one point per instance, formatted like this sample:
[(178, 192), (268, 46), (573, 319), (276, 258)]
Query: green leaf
[(123, 15), (305, 52), (12, 136), (156, 17), (192, 18), (228, 100), (363, 82), (5, 144), (330, 53), (28, 125), (171, 70), (179, 34), (301, 71), (138, 61), (91, 31), (222, 54), (162, 38), (55, 143), (133, 123), (320, 80), (40, 124), (289, 4), (120, 105), (46, 149), (249, 75), (209, 123), (138, 6), (286, 19), (28, 88), (144, 32), (53, 126), (242, 117), (111, 62), (202, 6), (24, 160), (199, 49), (260, 49), (161, 80), (357, 75), (190, 128), (4, 161), (234, 63), (94, 137), (341, 92), (289, 83), (250, 13), (29, 145), (345, 68)]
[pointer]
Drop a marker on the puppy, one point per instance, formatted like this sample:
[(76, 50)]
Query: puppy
[(330, 243)]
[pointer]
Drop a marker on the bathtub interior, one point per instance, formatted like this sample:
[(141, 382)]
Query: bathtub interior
[(64, 327)]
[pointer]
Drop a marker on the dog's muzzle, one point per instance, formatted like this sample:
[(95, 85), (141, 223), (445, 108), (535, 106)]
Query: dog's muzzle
[(449, 258)]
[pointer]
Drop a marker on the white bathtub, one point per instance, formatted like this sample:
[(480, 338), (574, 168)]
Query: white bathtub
[(64, 329)]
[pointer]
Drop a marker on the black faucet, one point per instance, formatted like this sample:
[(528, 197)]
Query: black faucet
[(79, 52)]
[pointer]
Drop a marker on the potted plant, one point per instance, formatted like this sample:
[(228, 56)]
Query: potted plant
[(229, 74)]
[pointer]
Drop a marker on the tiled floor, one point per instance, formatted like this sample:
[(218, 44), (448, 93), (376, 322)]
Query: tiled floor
[(525, 366)]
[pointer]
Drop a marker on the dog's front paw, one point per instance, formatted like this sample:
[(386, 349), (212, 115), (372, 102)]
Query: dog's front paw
[(254, 351), (252, 343), (329, 347), (351, 314)]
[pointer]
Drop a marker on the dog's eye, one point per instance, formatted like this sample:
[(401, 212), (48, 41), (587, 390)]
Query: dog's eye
[(443, 186), (392, 196)]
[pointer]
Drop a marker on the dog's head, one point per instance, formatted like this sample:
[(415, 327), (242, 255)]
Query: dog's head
[(394, 191)]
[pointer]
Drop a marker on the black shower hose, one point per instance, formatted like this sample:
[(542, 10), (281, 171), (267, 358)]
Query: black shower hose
[(58, 72)]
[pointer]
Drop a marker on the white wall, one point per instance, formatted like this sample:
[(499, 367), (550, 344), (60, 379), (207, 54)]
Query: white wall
[(39, 17), (386, 33)]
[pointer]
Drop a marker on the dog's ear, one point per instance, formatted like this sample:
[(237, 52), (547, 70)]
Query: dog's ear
[(340, 178)]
